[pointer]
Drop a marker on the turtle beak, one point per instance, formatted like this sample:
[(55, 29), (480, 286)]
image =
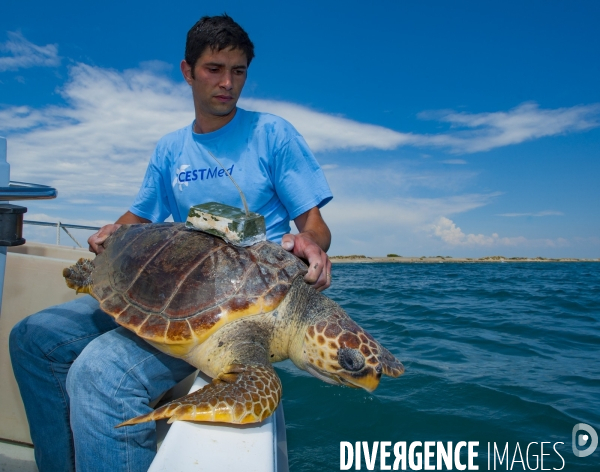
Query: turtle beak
[(367, 379), (369, 382)]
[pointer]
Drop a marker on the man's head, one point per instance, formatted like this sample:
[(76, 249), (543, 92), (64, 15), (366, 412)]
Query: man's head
[(217, 55), (216, 33)]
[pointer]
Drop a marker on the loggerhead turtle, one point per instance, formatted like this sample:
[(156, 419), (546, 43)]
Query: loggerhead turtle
[(230, 312)]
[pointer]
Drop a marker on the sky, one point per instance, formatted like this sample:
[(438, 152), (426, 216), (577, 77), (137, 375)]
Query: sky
[(460, 128)]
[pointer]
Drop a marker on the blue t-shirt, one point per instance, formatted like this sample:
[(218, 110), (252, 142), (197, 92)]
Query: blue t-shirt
[(266, 156)]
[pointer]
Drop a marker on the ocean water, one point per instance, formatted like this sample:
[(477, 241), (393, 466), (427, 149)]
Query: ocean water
[(495, 353)]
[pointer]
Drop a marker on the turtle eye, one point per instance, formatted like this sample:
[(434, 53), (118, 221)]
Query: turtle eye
[(351, 359)]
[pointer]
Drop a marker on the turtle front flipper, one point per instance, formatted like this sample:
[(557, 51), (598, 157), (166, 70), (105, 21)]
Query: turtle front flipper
[(79, 275), (240, 394)]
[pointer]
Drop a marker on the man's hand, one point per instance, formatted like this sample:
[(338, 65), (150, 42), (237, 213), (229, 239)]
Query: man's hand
[(312, 242), (319, 265), (96, 240)]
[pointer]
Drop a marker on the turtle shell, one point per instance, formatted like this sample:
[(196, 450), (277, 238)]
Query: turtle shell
[(173, 285)]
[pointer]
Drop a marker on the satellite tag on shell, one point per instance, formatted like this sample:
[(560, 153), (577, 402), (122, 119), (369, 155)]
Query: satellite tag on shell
[(229, 223), (238, 227)]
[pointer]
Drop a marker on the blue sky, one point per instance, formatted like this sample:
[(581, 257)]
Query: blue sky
[(452, 128)]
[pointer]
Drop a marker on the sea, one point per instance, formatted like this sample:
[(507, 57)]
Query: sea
[(506, 355)]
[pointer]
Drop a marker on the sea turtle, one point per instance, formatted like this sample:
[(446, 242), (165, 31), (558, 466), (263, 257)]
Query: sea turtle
[(230, 312)]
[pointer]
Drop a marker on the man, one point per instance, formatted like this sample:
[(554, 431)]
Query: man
[(78, 372)]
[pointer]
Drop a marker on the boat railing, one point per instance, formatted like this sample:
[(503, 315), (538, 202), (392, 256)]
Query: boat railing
[(59, 225)]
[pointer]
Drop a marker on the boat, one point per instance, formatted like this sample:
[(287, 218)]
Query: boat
[(34, 281)]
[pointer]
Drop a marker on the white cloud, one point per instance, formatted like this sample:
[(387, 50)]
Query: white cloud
[(374, 211), (473, 132), (374, 214), (539, 213), (454, 161), (448, 232), (376, 226), (394, 180), (325, 132), (100, 142), (23, 54)]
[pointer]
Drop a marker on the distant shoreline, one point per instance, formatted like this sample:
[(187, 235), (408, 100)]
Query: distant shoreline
[(443, 259)]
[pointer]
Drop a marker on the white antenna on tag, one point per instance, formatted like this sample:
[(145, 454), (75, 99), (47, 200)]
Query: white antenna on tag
[(234, 183)]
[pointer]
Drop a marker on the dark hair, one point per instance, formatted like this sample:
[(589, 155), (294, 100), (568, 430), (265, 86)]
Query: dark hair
[(217, 33)]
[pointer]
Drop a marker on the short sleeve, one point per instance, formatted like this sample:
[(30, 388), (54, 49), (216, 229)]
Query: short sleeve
[(299, 180), (152, 201)]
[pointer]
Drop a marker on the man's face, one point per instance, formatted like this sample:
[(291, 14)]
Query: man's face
[(217, 82)]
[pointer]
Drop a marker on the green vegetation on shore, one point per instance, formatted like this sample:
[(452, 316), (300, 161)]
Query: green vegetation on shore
[(439, 259)]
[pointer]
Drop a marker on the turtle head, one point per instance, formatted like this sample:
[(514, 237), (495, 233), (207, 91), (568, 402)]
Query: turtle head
[(338, 351)]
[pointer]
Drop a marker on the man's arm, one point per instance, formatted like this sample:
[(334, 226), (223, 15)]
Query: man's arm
[(97, 239), (310, 244)]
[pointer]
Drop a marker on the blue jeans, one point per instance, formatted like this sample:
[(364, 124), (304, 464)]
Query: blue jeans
[(80, 374)]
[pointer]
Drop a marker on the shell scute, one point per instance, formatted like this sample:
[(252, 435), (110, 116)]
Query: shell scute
[(259, 279), (131, 318), (129, 249), (288, 265), (241, 304), (114, 303), (205, 286), (205, 321), (164, 274), (154, 328), (179, 330), (276, 294)]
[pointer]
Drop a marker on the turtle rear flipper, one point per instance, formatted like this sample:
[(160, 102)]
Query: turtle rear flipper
[(240, 394), (79, 276)]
